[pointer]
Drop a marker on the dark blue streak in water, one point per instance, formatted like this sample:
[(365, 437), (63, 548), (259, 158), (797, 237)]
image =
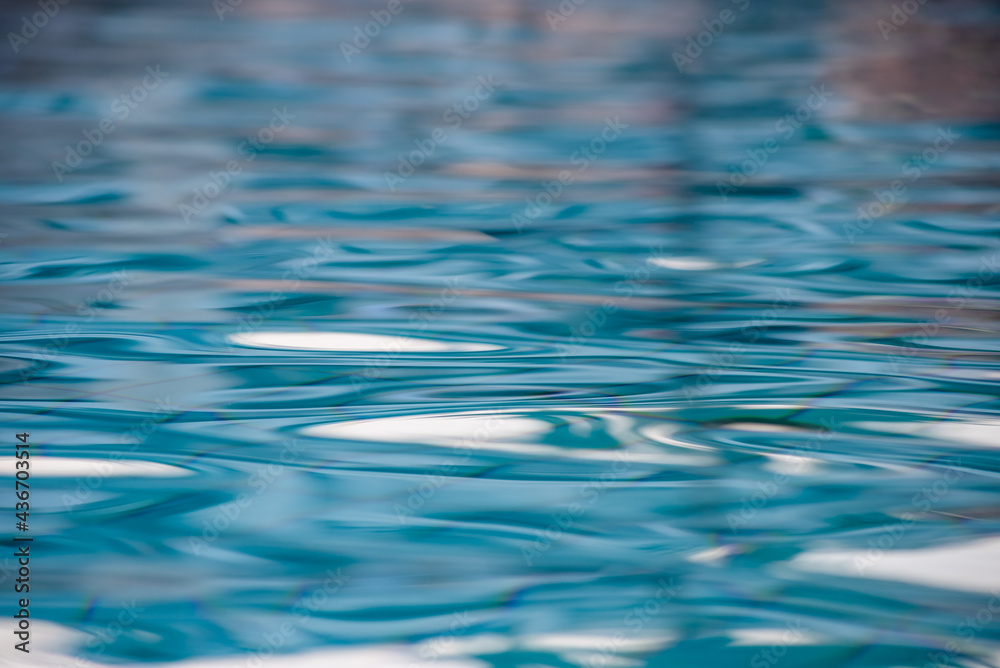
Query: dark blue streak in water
[(645, 384)]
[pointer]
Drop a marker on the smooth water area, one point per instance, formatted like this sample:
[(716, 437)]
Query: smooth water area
[(323, 369)]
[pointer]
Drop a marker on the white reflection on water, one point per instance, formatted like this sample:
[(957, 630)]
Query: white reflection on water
[(54, 644), (968, 566), (65, 467), (958, 432), (775, 637), (443, 430), (355, 342), (503, 432)]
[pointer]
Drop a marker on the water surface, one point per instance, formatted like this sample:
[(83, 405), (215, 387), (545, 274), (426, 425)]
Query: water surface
[(583, 388)]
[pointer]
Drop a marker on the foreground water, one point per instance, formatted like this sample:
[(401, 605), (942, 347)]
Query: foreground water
[(300, 406)]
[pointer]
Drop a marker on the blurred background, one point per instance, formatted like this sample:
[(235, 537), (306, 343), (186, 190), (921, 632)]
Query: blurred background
[(508, 333)]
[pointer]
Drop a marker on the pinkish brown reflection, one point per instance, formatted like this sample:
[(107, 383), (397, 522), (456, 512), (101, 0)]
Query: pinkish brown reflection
[(918, 59)]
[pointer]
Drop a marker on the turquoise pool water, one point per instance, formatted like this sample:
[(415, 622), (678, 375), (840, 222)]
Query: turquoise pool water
[(504, 338)]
